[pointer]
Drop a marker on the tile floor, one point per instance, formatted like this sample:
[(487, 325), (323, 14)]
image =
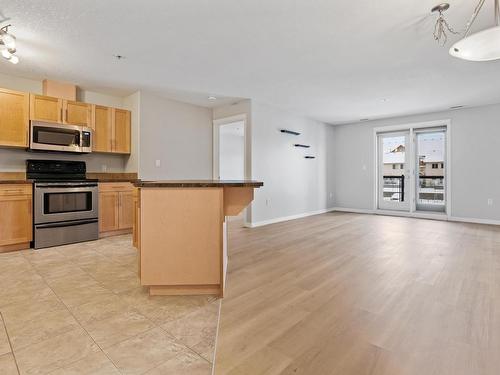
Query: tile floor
[(80, 309)]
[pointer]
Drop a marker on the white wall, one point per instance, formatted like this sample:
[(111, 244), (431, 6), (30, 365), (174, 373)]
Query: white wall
[(179, 135), (293, 185), (475, 166), (133, 103)]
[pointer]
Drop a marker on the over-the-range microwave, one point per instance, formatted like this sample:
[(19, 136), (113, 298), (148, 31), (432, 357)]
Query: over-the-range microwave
[(60, 137)]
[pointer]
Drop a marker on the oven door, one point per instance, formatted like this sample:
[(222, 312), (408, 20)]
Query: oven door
[(65, 201), (55, 137)]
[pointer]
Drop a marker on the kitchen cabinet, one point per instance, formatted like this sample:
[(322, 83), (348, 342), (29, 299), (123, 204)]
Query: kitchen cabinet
[(111, 130), (103, 128), (45, 108), (14, 118), (137, 215), (16, 220), (51, 109), (116, 208), (121, 134), (77, 113)]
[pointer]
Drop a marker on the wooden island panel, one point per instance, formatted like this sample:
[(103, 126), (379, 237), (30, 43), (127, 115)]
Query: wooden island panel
[(181, 240)]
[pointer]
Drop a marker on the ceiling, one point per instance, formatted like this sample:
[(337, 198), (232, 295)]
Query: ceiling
[(335, 61)]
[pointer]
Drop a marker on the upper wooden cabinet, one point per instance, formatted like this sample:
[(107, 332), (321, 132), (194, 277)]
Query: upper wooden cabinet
[(14, 118), (112, 126), (50, 109), (45, 108), (77, 113), (103, 128), (121, 135), (111, 130)]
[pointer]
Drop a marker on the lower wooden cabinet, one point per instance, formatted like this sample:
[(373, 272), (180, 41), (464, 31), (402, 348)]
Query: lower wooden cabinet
[(116, 208), (16, 219)]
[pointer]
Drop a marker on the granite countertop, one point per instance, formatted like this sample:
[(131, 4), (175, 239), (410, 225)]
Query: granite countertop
[(198, 183)]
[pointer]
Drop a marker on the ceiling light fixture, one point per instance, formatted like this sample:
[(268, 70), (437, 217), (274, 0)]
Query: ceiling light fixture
[(212, 98), (483, 45), (8, 45), (442, 27)]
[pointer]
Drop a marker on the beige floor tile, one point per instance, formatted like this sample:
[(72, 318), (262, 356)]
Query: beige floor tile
[(94, 364), (100, 308), (8, 365), (31, 309), (185, 363), (56, 352), (117, 327), (46, 325), (197, 330), (4, 340), (144, 352), (24, 294), (79, 295)]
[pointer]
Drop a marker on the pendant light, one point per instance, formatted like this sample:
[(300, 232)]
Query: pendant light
[(483, 45)]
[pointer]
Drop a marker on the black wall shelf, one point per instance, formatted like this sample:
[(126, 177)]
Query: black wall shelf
[(289, 132), (299, 145), (309, 157)]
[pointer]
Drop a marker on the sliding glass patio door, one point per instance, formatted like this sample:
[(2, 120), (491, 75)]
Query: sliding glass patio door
[(394, 171), (412, 170), (430, 146)]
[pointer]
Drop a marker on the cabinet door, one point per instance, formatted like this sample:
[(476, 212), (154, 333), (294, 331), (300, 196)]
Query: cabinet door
[(126, 211), (14, 118), (77, 113), (121, 131), (108, 211), (15, 221), (45, 108), (102, 129)]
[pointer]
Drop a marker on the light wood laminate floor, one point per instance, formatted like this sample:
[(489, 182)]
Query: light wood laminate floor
[(353, 294), (80, 309)]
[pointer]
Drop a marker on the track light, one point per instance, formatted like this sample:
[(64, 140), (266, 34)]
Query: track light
[(8, 45)]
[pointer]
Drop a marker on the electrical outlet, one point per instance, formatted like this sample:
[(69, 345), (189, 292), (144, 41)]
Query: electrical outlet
[(268, 202), (104, 167), (490, 201), (331, 196), (157, 163), (363, 167)]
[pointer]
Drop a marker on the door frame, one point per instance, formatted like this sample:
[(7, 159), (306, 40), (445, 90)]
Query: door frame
[(215, 143), (446, 123)]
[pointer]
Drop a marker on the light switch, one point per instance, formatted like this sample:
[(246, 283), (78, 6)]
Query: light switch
[(157, 163)]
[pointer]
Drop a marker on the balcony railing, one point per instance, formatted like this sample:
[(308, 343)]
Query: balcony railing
[(431, 190), (394, 188)]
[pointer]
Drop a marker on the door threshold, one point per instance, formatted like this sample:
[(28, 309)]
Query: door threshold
[(420, 215)]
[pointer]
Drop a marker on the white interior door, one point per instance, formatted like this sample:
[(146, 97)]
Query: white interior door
[(394, 171), (229, 150)]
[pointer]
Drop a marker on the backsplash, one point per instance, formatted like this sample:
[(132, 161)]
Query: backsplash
[(14, 160)]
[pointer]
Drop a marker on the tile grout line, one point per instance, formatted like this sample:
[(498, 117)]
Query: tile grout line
[(10, 343)]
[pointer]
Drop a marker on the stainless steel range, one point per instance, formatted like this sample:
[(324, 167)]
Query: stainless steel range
[(65, 203)]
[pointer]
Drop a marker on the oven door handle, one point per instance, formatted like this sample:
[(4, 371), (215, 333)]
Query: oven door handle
[(67, 224)]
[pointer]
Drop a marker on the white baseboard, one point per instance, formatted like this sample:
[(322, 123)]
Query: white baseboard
[(287, 218), (474, 220), (432, 216)]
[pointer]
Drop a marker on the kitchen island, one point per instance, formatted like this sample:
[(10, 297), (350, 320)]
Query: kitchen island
[(180, 231)]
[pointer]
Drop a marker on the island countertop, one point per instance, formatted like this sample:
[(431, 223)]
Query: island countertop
[(197, 183)]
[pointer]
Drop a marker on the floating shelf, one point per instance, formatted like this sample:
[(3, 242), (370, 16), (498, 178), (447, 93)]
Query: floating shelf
[(289, 132), (299, 145), (309, 157)]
